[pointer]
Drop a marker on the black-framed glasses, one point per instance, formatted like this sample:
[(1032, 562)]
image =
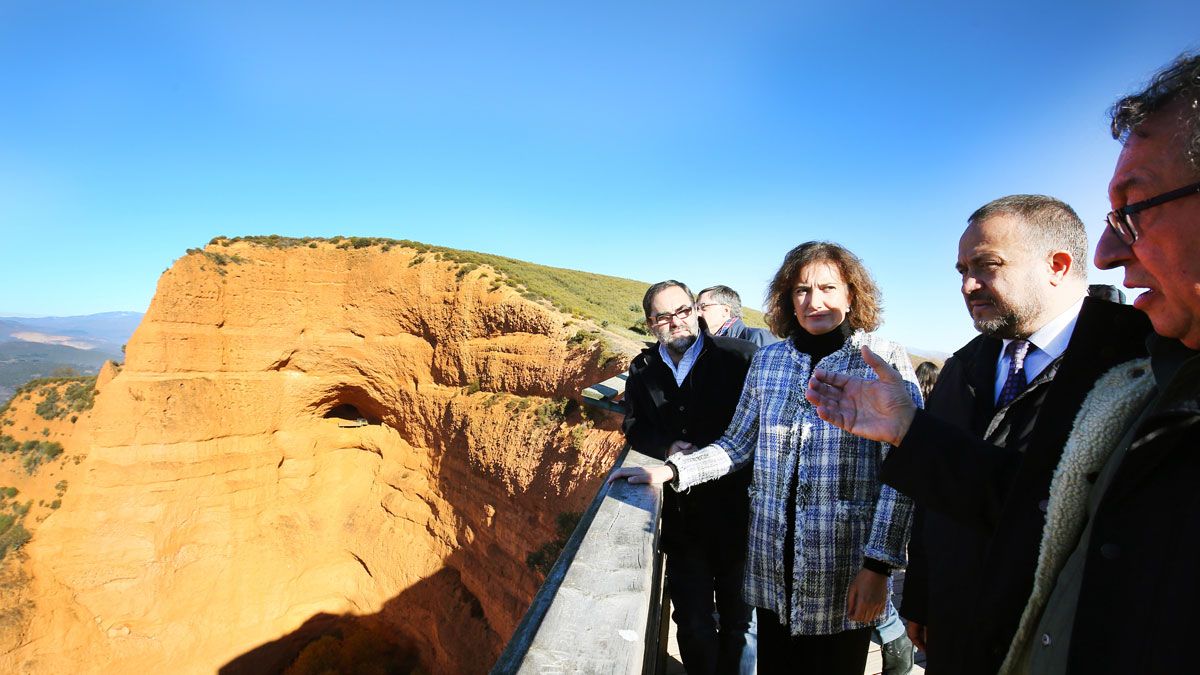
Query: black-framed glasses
[(1121, 220), (705, 305), (665, 318)]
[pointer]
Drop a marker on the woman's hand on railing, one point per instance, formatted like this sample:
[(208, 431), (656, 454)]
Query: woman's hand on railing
[(867, 597), (656, 475)]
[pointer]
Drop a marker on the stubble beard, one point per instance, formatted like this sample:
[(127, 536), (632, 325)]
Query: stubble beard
[(1012, 322), (681, 344)]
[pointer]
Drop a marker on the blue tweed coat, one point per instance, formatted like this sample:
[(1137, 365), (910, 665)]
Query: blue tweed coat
[(843, 512)]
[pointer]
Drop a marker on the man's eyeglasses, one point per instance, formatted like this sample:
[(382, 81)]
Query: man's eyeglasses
[(705, 305), (665, 318), (1121, 220)]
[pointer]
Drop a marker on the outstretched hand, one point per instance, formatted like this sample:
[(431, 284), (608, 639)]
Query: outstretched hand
[(880, 410)]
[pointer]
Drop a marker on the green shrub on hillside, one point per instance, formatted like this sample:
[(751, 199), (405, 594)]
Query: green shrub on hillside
[(551, 411), (79, 394), (13, 538), (33, 453), (543, 559), (38, 454), (49, 408)]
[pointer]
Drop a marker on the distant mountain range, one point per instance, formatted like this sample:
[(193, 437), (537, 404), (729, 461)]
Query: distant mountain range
[(36, 347)]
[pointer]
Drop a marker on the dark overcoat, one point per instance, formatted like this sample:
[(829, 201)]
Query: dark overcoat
[(658, 412), (980, 478)]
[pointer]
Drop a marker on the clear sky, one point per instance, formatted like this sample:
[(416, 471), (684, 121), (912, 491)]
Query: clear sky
[(692, 140)]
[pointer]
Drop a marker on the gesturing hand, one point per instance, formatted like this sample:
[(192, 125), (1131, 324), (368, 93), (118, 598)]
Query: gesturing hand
[(880, 410)]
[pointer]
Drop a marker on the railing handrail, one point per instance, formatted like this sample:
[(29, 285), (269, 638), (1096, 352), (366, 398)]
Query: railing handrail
[(600, 607)]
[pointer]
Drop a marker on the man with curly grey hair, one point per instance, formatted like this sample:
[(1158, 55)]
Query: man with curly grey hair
[(1117, 584)]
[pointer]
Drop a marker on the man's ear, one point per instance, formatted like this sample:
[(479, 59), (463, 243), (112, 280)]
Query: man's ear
[(1061, 265)]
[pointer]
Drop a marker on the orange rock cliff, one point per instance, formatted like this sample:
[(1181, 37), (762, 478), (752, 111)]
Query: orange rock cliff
[(228, 514)]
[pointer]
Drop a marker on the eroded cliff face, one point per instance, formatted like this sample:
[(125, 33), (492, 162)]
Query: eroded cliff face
[(228, 512)]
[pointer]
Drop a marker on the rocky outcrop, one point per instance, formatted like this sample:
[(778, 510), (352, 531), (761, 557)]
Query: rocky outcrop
[(234, 513)]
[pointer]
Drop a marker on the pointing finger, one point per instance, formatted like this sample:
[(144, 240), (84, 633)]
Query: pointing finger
[(882, 368)]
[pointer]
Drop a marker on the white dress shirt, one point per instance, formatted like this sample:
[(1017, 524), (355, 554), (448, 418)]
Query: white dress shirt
[(1045, 344), (685, 364)]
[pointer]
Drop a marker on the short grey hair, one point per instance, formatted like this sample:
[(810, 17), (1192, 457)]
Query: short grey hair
[(661, 286), (1051, 225), (1179, 83), (725, 296)]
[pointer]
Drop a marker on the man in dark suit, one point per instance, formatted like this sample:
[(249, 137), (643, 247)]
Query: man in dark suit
[(686, 388), (979, 460)]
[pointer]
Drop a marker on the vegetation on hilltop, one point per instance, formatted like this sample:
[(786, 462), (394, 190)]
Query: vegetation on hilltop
[(33, 453), (612, 302), (13, 534), (67, 393)]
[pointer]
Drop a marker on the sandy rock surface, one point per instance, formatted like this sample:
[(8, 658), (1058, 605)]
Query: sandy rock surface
[(227, 515)]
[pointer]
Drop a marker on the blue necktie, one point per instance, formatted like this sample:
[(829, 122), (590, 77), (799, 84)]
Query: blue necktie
[(1015, 384)]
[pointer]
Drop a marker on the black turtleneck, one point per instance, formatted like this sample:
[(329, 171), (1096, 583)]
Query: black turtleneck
[(820, 346)]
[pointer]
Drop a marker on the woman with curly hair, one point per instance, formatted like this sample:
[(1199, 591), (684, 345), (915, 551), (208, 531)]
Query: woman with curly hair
[(824, 533)]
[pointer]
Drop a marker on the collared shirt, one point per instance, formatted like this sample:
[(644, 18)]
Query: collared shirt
[(1045, 344), (685, 364)]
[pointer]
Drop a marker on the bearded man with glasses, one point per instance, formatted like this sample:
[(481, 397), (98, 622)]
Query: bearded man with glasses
[(685, 387)]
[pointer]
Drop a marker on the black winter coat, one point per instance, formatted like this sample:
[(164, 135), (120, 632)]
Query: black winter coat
[(1137, 605), (713, 515), (981, 503)]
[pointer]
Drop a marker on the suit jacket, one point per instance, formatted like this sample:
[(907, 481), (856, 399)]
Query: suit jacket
[(759, 336), (981, 477), (659, 412)]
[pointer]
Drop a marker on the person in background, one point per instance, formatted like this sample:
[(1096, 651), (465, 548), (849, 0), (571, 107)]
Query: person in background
[(721, 309), (825, 533), (684, 388), (896, 648), (927, 375)]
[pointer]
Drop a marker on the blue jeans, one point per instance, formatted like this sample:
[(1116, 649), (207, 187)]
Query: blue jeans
[(706, 645), (891, 627)]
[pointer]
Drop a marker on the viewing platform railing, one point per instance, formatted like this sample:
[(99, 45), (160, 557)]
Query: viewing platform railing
[(601, 608)]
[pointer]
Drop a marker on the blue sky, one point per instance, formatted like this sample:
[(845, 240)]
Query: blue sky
[(692, 140)]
